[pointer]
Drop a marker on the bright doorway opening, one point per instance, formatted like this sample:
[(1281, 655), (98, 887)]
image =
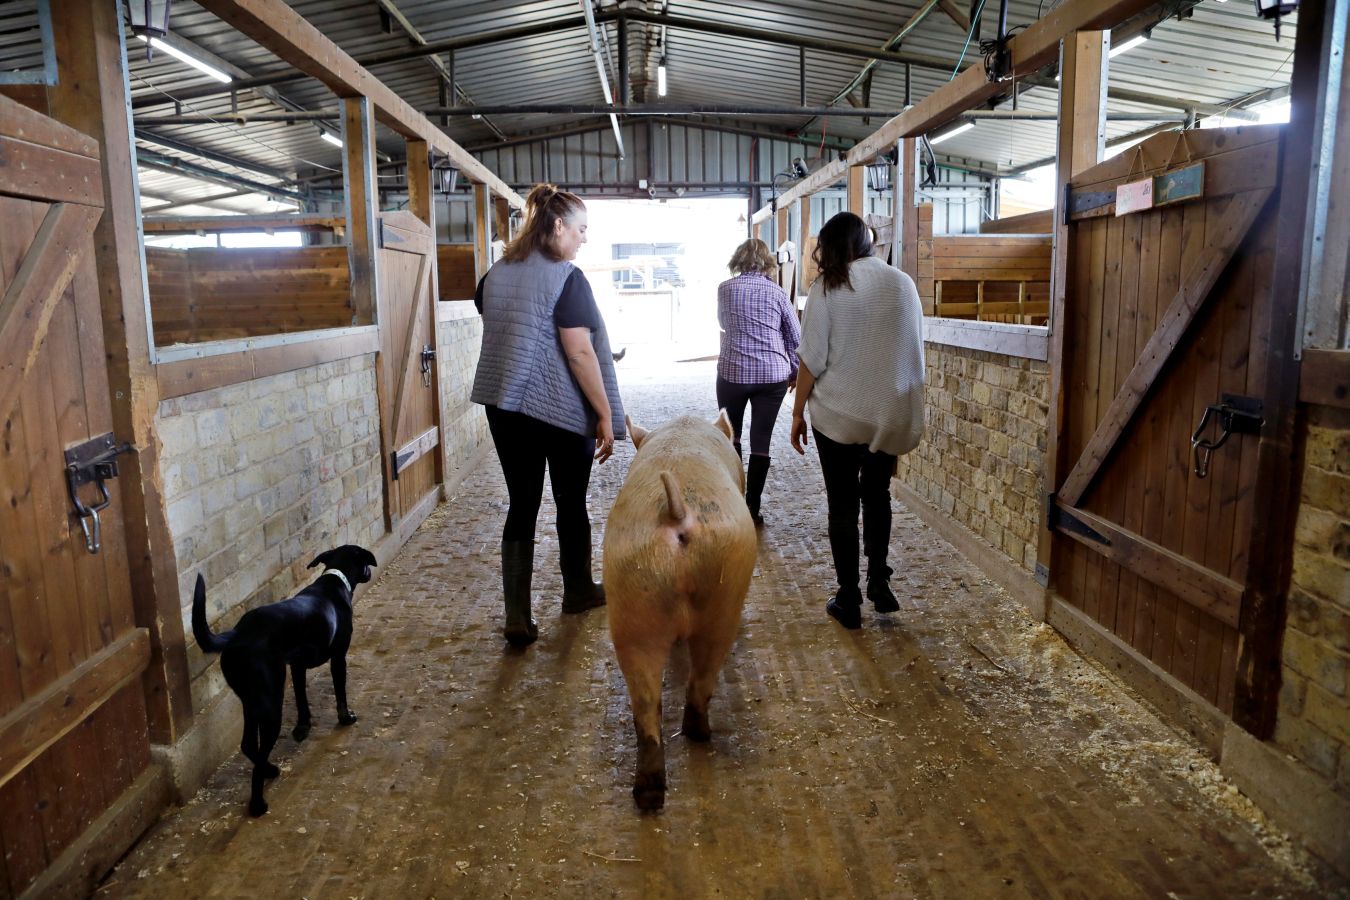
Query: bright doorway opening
[(655, 267)]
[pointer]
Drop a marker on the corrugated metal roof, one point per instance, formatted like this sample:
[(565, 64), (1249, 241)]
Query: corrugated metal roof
[(1219, 53)]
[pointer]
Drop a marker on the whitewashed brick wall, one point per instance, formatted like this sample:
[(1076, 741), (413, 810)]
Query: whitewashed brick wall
[(261, 477), (459, 344)]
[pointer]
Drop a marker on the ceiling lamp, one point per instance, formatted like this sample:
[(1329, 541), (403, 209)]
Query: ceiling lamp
[(330, 137), (661, 76), (179, 55), (1275, 9), (1130, 44), (149, 18), (950, 131)]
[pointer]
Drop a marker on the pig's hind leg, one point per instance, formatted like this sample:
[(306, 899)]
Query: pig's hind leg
[(643, 665), (707, 653)]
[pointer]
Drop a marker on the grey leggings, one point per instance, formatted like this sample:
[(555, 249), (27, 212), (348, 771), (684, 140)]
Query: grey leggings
[(764, 400)]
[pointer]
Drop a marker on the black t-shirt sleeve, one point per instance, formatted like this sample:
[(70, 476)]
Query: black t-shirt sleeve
[(576, 307), (478, 295)]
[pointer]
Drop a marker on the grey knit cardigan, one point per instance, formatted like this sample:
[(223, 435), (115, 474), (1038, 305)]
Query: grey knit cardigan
[(522, 367)]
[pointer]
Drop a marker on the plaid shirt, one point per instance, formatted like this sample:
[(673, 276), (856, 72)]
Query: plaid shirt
[(759, 331)]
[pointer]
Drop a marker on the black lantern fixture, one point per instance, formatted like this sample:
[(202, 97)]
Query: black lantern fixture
[(1275, 9), (149, 19), (879, 171)]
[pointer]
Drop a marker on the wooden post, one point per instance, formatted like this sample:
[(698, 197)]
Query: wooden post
[(909, 248), (1256, 697), (501, 218), (358, 181), (783, 220), (422, 203), (1080, 145), (482, 236), (804, 232), (856, 195), (92, 97)]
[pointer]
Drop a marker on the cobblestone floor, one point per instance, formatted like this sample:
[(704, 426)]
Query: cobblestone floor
[(953, 749)]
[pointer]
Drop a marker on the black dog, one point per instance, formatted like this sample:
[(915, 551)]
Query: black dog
[(312, 628)]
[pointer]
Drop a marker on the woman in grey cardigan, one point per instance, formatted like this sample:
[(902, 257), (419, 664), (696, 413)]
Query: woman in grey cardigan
[(546, 376), (862, 373)]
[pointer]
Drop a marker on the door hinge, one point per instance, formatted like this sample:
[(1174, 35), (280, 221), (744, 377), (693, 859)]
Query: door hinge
[(1057, 518), (93, 461)]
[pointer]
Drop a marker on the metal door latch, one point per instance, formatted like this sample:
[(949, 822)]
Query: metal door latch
[(1233, 415), (428, 356), (93, 461)]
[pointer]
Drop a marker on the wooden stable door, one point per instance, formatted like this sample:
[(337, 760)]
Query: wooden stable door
[(73, 734), (1164, 311), (409, 415)]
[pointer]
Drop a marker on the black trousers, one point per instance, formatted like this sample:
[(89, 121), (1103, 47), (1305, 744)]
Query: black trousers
[(854, 475), (524, 446), (765, 401)]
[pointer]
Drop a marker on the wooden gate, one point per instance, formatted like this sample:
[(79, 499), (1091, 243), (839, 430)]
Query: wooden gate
[(1164, 316), (409, 413), (73, 735)]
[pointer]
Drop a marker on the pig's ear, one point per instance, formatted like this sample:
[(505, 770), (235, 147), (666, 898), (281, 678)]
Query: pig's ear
[(723, 424), (636, 432)]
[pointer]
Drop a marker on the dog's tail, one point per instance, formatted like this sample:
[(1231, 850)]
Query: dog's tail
[(210, 643)]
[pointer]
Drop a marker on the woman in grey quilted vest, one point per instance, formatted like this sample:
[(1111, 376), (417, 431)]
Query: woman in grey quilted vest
[(862, 372), (546, 376)]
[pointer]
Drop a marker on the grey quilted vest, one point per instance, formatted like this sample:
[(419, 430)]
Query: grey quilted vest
[(522, 367)]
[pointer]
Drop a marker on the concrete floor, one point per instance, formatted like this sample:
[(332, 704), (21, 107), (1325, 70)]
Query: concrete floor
[(954, 749)]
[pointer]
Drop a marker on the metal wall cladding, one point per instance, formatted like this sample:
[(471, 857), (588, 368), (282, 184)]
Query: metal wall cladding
[(1218, 54)]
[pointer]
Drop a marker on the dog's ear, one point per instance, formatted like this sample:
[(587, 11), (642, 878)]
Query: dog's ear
[(723, 424), (366, 557), (320, 560), (636, 432)]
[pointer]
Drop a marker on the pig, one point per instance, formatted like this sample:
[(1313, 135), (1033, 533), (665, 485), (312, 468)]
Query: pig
[(679, 551)]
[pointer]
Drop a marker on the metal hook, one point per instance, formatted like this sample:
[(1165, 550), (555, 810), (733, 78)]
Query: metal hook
[(1240, 415)]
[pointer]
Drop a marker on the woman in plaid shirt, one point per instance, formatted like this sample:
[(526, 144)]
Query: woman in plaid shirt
[(758, 360)]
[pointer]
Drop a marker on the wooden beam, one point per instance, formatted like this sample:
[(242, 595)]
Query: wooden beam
[(803, 243), (422, 204), (92, 98), (1030, 50), (1083, 62), (501, 219), (1199, 278), (415, 449), (1082, 119), (358, 180), (1256, 697), (482, 231), (180, 377), (961, 19), (47, 173), (1325, 378), (46, 717), (280, 29), (909, 240), (28, 303), (25, 124), (1210, 592), (856, 193), (154, 224)]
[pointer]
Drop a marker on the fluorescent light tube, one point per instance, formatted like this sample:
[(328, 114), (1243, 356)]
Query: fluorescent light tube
[(1128, 45), (197, 64), (330, 138), (661, 77), (959, 129)]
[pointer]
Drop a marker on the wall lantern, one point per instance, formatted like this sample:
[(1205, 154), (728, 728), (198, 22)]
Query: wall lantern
[(447, 179), (149, 19), (879, 171), (1275, 9)]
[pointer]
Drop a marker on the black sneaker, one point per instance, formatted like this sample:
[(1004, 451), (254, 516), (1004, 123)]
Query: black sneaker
[(845, 608), (879, 592)]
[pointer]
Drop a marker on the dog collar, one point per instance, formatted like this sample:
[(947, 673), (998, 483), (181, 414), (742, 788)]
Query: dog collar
[(340, 577)]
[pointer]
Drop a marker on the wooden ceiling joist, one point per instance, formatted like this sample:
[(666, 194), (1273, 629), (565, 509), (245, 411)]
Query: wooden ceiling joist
[(277, 27), (1030, 50), (220, 224)]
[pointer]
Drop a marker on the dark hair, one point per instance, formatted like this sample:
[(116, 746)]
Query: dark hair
[(545, 205), (842, 240)]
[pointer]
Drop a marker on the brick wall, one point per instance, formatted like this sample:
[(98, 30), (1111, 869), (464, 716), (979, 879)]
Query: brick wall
[(984, 441), (1314, 720), (459, 336), (262, 476)]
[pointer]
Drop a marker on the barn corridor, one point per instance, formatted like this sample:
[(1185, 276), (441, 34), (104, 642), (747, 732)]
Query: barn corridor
[(956, 748)]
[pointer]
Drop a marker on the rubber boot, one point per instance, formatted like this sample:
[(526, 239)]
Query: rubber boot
[(879, 589), (517, 575), (754, 485), (580, 593)]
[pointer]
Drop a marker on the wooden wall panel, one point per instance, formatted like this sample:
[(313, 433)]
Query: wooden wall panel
[(208, 294), (455, 272)]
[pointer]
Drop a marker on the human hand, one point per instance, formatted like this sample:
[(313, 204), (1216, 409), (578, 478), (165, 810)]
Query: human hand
[(604, 439), (799, 438), (792, 381)]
